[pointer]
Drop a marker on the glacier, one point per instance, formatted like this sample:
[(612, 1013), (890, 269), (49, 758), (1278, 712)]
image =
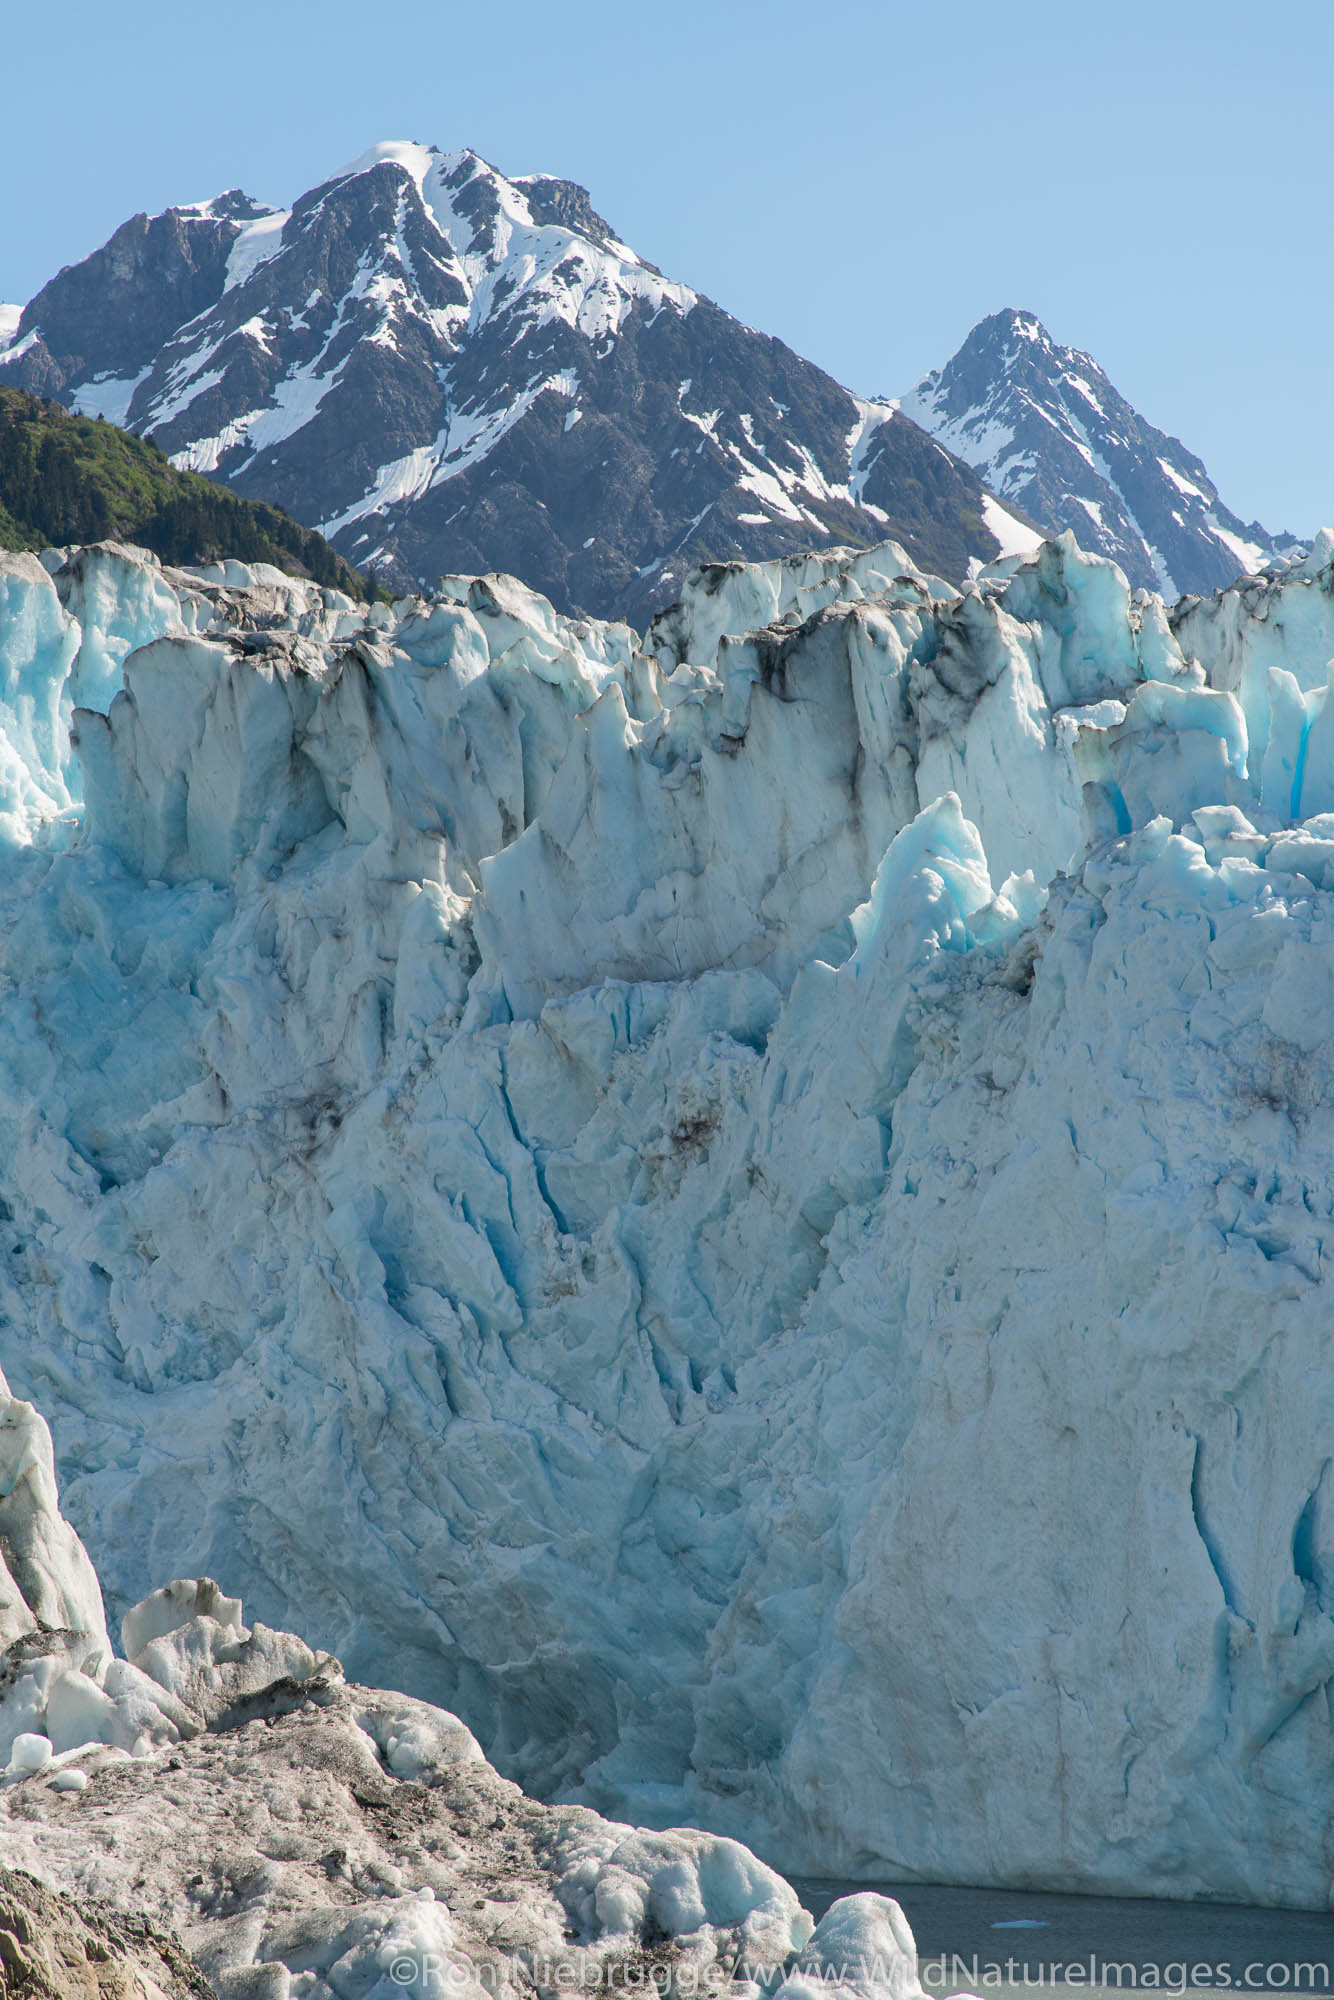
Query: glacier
[(306, 1837), (742, 1206)]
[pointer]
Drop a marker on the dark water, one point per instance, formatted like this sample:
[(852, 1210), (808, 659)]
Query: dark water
[(994, 1941)]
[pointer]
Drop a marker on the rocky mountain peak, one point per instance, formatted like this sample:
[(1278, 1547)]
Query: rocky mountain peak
[(450, 370), (1046, 429)]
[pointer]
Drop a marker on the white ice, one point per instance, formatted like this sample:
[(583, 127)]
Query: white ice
[(745, 1207)]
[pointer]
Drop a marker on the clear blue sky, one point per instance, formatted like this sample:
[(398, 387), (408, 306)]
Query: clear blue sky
[(864, 180)]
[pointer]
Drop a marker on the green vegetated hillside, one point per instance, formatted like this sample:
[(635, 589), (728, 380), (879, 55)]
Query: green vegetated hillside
[(66, 479)]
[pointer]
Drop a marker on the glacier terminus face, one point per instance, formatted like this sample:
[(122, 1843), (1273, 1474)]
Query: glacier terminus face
[(302, 1835), (743, 1206)]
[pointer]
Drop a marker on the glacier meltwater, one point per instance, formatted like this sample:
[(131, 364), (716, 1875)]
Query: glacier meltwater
[(744, 1207)]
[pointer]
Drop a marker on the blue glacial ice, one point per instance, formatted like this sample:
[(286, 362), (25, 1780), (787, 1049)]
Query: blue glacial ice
[(744, 1206)]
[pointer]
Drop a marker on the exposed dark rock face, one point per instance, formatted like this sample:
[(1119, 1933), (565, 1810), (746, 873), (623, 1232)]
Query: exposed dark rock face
[(445, 371), (111, 313), (57, 1947), (1047, 431)]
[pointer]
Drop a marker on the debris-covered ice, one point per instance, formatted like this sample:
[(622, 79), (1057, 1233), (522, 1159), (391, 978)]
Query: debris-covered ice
[(302, 1836)]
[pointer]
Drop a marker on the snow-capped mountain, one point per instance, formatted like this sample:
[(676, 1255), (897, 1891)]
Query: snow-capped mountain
[(1046, 429), (445, 370)]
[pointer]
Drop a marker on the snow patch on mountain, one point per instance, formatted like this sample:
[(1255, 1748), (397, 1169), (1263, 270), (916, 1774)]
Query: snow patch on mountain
[(465, 441), (870, 416), (1016, 538), (107, 396), (18, 347), (257, 242)]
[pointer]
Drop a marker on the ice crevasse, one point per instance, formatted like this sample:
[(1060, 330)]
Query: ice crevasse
[(743, 1206)]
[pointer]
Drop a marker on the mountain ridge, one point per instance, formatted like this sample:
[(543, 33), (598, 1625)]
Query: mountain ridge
[(447, 370), (450, 371), (1046, 429)]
